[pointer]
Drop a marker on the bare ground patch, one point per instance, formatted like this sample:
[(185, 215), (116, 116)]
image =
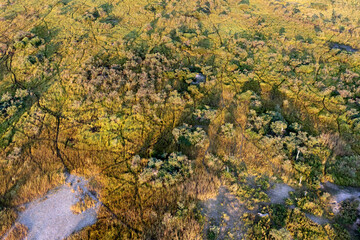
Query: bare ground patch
[(223, 216), (53, 216)]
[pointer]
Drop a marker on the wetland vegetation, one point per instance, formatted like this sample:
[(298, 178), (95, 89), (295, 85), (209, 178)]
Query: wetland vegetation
[(197, 119)]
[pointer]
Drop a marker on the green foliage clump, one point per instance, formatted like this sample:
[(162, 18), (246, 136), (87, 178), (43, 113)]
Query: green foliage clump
[(346, 171), (301, 227), (228, 130), (348, 212), (213, 232), (205, 114), (187, 135), (318, 5), (167, 172), (278, 214)]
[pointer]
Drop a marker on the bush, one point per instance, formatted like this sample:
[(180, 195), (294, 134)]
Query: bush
[(244, 2), (278, 214), (348, 212), (188, 136), (176, 167), (346, 171), (319, 6)]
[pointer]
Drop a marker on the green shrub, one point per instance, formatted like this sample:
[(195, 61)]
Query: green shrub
[(348, 212), (346, 171), (319, 6)]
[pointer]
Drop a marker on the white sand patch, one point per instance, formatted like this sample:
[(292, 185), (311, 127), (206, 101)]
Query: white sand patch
[(340, 194), (51, 217), (278, 194), (224, 211), (317, 219)]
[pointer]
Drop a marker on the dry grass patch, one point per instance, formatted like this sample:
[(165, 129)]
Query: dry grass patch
[(7, 217), (202, 185), (18, 232), (83, 204)]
